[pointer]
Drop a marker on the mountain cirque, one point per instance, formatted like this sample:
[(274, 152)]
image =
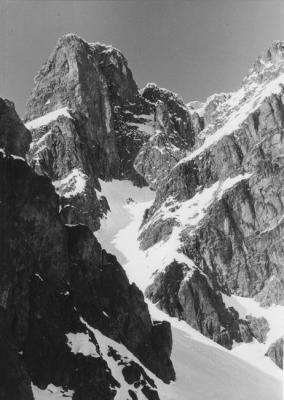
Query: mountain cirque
[(217, 219), (106, 129)]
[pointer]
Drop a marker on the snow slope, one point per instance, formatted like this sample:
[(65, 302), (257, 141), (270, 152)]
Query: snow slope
[(253, 352), (119, 195), (205, 370)]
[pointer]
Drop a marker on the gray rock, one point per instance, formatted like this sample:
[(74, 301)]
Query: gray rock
[(191, 297), (238, 243), (259, 327), (275, 352), (14, 138), (239, 239), (174, 133)]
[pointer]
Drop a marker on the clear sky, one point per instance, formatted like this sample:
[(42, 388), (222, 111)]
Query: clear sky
[(194, 47)]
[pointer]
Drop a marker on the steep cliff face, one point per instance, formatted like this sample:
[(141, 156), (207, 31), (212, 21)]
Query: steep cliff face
[(173, 134), (187, 295), (69, 317), (84, 114), (15, 138), (222, 205)]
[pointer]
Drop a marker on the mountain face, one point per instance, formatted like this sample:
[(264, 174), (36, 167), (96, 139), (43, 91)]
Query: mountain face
[(188, 197), (84, 113), (173, 134), (223, 203), (69, 317), (216, 167)]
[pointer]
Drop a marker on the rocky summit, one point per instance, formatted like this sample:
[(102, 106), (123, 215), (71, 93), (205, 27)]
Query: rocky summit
[(109, 191)]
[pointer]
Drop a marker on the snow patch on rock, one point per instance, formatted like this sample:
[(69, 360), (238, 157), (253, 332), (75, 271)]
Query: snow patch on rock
[(52, 392), (73, 184), (116, 366), (47, 118), (81, 343)]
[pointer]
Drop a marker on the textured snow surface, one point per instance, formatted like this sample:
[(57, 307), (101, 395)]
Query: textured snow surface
[(119, 231), (139, 265), (73, 184), (47, 118), (205, 370), (120, 196)]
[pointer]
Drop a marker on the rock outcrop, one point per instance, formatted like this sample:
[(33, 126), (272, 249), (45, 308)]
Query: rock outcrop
[(259, 327), (68, 311), (174, 133), (189, 296), (15, 138), (275, 352)]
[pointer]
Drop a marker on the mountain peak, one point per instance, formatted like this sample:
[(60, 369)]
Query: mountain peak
[(275, 53), (271, 57), (268, 65), (70, 39), (71, 36)]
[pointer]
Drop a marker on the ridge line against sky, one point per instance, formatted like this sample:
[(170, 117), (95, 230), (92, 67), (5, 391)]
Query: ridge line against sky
[(194, 48)]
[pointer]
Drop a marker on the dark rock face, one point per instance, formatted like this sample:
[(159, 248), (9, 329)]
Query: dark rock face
[(15, 382), (275, 352), (190, 297), (14, 138), (56, 280), (177, 112), (72, 261), (174, 133)]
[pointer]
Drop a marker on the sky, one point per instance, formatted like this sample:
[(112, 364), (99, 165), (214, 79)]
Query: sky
[(194, 48)]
